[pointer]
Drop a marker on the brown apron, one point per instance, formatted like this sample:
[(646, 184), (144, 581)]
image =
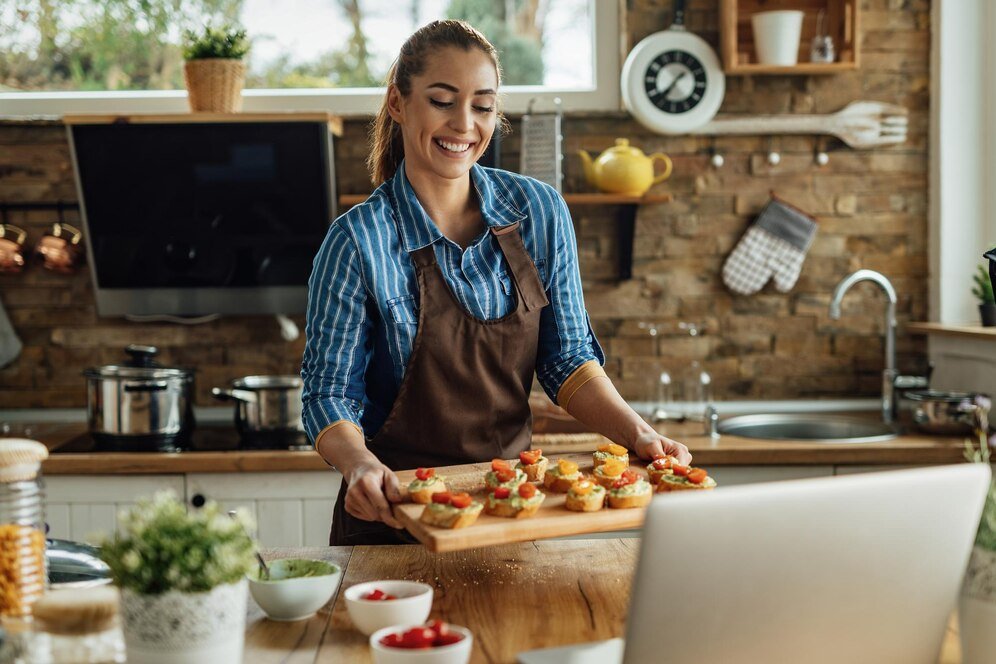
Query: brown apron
[(465, 393)]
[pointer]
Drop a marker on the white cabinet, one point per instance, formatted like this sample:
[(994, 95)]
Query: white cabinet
[(291, 509), (83, 507)]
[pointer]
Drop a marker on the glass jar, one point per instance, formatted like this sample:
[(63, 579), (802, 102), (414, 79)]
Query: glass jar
[(77, 626), (22, 527)]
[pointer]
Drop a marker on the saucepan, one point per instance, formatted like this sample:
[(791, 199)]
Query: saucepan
[(945, 413), (266, 407)]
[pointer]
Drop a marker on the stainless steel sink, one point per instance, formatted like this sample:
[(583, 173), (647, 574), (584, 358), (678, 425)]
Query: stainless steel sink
[(822, 428)]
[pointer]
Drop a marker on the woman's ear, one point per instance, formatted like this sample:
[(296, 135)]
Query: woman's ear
[(394, 103)]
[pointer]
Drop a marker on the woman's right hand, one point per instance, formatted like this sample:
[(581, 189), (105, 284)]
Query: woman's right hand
[(372, 487)]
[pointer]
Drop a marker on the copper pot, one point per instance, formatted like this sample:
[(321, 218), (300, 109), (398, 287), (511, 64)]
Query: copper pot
[(11, 249), (59, 250)]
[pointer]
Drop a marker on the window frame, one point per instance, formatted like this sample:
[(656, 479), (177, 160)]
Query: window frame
[(346, 102)]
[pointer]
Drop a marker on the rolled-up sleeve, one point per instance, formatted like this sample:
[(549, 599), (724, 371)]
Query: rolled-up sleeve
[(566, 341), (337, 327)]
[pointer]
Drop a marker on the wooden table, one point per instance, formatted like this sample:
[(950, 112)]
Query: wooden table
[(513, 598)]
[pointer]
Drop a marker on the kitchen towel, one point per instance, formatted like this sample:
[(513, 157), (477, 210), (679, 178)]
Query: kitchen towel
[(10, 344), (774, 246)]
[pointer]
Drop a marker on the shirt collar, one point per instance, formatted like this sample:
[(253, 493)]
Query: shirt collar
[(417, 228)]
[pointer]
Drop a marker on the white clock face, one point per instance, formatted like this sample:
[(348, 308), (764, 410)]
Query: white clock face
[(672, 82)]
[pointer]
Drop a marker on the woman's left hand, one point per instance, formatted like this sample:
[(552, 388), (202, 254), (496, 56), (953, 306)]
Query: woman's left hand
[(651, 444)]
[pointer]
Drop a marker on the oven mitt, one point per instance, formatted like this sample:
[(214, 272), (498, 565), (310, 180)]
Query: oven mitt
[(10, 344), (774, 246)]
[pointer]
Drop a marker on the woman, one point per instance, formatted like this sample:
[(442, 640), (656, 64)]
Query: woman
[(432, 304)]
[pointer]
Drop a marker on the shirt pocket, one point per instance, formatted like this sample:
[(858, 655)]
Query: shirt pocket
[(403, 310)]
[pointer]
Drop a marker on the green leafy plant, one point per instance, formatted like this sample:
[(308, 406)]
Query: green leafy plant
[(160, 547), (986, 535), (224, 42), (983, 288)]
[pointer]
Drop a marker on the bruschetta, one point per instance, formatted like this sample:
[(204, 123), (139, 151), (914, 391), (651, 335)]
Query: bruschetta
[(451, 510), (610, 451), (517, 503), (630, 490), (685, 478), (533, 464), (501, 474), (561, 476), (585, 496), (426, 483), (609, 472)]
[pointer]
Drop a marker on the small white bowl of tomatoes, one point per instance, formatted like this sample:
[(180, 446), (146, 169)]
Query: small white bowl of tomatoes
[(377, 604), (435, 642)]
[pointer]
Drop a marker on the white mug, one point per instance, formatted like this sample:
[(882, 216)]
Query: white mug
[(776, 36)]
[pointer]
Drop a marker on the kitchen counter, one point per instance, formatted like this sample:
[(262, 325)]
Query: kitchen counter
[(913, 449), (484, 590)]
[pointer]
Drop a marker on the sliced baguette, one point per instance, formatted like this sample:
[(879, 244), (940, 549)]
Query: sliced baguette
[(667, 487), (507, 510), (592, 502), (624, 502), (452, 519), (558, 484)]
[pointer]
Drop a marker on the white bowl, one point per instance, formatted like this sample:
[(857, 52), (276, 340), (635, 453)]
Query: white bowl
[(455, 653), (411, 608), (286, 598)]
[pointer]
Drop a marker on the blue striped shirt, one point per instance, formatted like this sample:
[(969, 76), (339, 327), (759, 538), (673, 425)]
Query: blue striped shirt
[(363, 294)]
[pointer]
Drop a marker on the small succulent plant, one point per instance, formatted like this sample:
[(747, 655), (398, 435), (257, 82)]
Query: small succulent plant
[(224, 42)]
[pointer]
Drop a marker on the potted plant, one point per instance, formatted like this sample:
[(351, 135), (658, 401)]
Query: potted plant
[(977, 607), (214, 71), (983, 290), (182, 579)]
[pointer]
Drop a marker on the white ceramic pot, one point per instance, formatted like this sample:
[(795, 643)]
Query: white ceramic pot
[(977, 609), (776, 36), (185, 628)]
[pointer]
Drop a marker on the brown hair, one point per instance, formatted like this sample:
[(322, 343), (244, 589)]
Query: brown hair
[(387, 149)]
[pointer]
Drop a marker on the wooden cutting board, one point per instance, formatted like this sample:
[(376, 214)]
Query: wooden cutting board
[(552, 519)]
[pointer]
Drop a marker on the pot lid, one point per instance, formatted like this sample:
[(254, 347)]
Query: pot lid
[(268, 383), (941, 395), (140, 365)]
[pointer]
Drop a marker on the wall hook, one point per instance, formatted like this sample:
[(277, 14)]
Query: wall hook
[(774, 157), (715, 158)]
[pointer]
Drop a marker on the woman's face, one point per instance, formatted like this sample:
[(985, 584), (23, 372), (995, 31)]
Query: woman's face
[(449, 117)]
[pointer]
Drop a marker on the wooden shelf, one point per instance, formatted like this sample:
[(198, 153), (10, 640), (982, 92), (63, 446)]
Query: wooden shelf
[(966, 330), (737, 35), (626, 219)]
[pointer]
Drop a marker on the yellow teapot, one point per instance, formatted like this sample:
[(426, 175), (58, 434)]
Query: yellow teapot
[(623, 169)]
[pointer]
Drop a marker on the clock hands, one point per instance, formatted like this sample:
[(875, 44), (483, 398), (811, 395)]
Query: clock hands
[(674, 83)]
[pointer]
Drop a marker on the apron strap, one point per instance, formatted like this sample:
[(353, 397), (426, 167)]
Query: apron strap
[(523, 268), (424, 256)]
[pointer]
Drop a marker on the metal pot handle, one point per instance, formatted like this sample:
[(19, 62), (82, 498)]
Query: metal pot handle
[(234, 395), (146, 387)]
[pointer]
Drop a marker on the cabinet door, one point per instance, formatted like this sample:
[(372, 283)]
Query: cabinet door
[(291, 509), (84, 507)]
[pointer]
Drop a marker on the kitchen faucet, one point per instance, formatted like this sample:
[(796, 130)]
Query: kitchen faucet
[(891, 380)]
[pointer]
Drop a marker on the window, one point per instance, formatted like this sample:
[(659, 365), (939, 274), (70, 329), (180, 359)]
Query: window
[(124, 56)]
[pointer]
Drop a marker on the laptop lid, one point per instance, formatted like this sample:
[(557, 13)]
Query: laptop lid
[(861, 568)]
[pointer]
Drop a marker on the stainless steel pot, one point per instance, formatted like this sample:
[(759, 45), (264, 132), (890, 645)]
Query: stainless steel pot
[(266, 406), (944, 413), (140, 405)]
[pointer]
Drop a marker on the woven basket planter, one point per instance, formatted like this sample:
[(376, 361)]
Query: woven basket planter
[(214, 85)]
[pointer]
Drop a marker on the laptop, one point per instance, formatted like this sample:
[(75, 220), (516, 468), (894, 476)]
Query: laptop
[(858, 568)]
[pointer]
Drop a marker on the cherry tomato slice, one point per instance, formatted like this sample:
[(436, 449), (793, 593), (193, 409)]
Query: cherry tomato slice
[(447, 639), (498, 464), (529, 457), (392, 641), (375, 594), (679, 470), (418, 637), (504, 474), (460, 500), (502, 492), (662, 463), (441, 497), (439, 627), (527, 490), (697, 475), (424, 473)]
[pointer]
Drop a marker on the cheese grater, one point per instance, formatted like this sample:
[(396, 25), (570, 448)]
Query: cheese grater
[(542, 145)]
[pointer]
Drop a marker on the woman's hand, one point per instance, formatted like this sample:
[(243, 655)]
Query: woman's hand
[(650, 444), (372, 487)]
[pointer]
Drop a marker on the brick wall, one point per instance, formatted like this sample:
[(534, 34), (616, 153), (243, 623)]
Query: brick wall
[(872, 207)]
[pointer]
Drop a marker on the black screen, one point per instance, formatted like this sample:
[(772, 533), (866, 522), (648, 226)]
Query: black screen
[(234, 205)]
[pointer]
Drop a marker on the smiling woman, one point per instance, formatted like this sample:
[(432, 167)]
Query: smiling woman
[(483, 261)]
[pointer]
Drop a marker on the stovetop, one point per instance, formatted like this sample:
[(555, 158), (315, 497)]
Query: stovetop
[(202, 439)]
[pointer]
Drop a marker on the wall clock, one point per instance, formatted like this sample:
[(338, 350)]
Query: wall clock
[(672, 81)]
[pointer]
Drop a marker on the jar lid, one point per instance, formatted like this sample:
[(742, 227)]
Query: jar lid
[(76, 610), (20, 459)]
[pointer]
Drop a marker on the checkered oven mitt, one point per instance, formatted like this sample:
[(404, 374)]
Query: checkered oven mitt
[(774, 246)]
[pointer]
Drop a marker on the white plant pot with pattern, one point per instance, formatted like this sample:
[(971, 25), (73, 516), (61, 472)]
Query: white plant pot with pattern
[(185, 628), (977, 609)]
